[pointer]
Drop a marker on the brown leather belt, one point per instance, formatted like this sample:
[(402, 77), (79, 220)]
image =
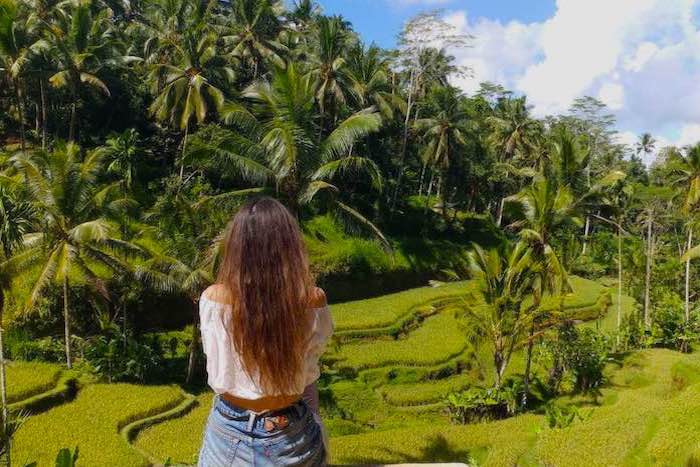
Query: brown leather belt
[(266, 404)]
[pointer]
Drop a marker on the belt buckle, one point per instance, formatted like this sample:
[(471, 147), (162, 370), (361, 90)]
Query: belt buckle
[(279, 422)]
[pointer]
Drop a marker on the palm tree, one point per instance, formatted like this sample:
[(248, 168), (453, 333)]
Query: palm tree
[(16, 219), (366, 71), (188, 89), (546, 207), (506, 278), (443, 133), (646, 144), (179, 257), (687, 172), (123, 151), (81, 45), (281, 129), (75, 231), (252, 31), (512, 132), (15, 51), (332, 85)]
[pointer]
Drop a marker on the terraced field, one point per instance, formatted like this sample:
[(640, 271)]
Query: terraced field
[(385, 378)]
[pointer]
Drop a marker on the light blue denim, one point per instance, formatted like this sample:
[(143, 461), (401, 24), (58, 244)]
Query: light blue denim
[(237, 437)]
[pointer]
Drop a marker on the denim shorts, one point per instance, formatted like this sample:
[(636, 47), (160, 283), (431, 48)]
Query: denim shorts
[(238, 437)]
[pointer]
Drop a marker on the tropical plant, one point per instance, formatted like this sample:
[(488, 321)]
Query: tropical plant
[(506, 276), (81, 44), (281, 128), (252, 31), (75, 232), (123, 153)]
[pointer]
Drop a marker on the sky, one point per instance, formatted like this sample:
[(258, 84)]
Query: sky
[(640, 57)]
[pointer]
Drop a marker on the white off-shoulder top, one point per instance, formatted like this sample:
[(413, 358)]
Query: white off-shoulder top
[(224, 369)]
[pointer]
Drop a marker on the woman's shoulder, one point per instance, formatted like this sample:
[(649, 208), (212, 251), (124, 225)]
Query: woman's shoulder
[(317, 298), (218, 293)]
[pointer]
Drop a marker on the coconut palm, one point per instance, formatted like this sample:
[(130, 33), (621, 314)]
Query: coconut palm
[(506, 276), (366, 70), (252, 29), (123, 153), (16, 219), (187, 88), (546, 207), (80, 42), (75, 231), (443, 133), (332, 86), (512, 133), (179, 257), (15, 52), (281, 129), (687, 178), (646, 144)]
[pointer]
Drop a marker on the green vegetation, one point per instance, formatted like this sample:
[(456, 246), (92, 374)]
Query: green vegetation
[(130, 134), (30, 378), (92, 421)]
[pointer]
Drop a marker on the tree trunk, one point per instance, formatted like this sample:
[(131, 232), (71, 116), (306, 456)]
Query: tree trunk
[(422, 179), (20, 114), (586, 230), (404, 141), (184, 147), (3, 381), (647, 279), (528, 364), (73, 121), (194, 344), (66, 322), (619, 282), (687, 277), (44, 122), (499, 214)]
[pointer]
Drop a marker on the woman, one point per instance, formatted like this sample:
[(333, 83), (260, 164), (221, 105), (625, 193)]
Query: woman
[(264, 326)]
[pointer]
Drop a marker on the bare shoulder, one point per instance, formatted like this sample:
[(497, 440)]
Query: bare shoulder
[(218, 293), (318, 298)]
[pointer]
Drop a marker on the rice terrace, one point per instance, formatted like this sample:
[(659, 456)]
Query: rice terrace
[(497, 199)]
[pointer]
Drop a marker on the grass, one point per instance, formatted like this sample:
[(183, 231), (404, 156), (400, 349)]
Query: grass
[(178, 439), (92, 421), (388, 408), (426, 392), (388, 309), (28, 379), (440, 338), (648, 424)]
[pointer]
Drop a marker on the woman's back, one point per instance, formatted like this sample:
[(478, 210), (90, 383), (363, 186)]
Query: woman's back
[(264, 326), (224, 368)]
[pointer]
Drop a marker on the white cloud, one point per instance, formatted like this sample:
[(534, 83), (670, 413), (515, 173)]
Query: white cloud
[(644, 53), (639, 56), (613, 95)]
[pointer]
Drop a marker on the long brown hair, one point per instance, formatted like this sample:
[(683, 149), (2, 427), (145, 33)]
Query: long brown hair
[(265, 267)]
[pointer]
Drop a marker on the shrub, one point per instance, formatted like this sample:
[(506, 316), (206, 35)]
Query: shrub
[(121, 357), (19, 345), (580, 353), (561, 416), (670, 328), (477, 404), (585, 266)]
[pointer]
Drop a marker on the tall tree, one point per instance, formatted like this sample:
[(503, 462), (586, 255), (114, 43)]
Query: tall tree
[(281, 128), (420, 33), (687, 178), (81, 44), (75, 232), (252, 29)]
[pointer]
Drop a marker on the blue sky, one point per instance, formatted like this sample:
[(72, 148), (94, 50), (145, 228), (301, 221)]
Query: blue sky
[(380, 20), (640, 57)]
